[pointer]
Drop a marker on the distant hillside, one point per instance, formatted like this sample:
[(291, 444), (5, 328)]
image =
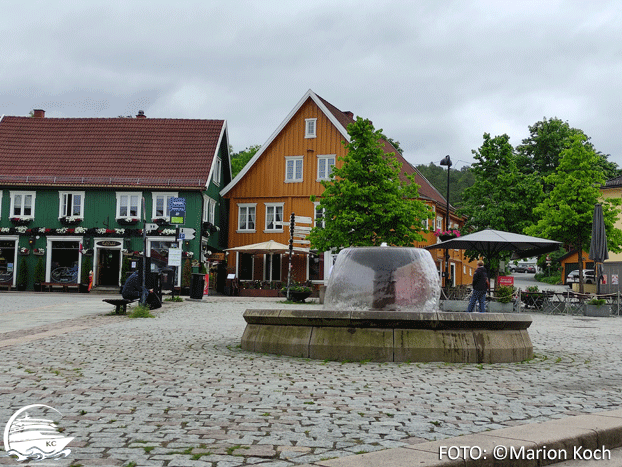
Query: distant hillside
[(458, 180)]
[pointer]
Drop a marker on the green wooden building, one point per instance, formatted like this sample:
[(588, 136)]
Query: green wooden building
[(77, 193)]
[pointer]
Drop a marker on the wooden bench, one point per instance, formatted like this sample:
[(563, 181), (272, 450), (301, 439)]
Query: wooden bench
[(118, 303), (65, 286)]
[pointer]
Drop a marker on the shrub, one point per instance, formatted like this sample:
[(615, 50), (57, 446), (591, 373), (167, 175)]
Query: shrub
[(597, 301), (504, 293)]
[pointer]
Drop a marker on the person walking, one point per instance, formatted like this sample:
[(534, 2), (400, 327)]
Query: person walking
[(480, 286)]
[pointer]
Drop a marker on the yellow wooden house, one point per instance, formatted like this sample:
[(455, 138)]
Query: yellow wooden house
[(280, 179)]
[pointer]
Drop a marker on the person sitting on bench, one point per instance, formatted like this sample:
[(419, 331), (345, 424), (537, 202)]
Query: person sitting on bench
[(133, 289)]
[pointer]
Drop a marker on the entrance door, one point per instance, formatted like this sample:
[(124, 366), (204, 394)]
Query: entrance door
[(108, 266)]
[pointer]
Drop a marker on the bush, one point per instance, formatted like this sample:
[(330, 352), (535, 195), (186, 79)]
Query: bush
[(39, 275), (504, 293), (597, 301)]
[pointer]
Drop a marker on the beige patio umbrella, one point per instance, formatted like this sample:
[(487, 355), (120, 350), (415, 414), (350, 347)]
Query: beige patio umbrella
[(268, 248)]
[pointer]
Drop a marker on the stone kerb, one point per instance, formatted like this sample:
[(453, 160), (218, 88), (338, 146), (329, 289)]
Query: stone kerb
[(389, 336)]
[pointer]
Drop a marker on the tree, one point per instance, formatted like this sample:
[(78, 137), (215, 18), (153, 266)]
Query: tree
[(502, 197), (566, 214), (365, 201), (541, 152), (240, 159)]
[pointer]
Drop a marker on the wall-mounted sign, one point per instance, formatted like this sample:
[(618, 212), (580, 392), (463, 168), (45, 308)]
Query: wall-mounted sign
[(174, 257), (108, 243)]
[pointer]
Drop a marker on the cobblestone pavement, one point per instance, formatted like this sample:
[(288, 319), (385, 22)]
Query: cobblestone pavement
[(178, 391)]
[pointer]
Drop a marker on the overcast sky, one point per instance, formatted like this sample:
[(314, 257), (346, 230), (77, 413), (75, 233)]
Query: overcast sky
[(434, 75)]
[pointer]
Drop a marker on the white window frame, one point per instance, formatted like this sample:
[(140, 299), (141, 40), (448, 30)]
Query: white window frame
[(217, 171), (324, 160), (154, 203), (316, 205), (22, 194), (294, 160), (209, 210), (129, 194), (61, 203), (247, 206), (273, 207), (0, 204), (439, 222), (310, 127)]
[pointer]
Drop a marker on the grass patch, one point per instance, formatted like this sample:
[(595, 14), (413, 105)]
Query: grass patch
[(176, 298), (140, 311)]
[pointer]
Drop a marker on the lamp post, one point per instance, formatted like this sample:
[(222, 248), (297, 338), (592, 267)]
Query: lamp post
[(447, 161)]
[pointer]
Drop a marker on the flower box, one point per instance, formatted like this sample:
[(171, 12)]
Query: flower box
[(21, 220), (38, 251), (127, 220), (70, 220)]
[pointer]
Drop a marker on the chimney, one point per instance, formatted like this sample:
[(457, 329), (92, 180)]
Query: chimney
[(38, 113), (141, 114), (349, 114)]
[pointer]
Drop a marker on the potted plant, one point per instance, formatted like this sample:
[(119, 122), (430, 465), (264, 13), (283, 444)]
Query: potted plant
[(597, 307), (39, 275), (85, 279), (503, 304), (22, 275), (297, 292), (186, 277), (533, 298)]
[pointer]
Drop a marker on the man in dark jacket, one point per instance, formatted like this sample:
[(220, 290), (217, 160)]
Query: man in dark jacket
[(133, 288), (480, 286)]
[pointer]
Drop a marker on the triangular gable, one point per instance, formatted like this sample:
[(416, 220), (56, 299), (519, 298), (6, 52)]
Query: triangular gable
[(309, 95)]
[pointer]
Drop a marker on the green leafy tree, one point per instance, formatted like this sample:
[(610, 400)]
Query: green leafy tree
[(540, 153), (502, 197), (566, 213), (365, 201), (240, 159)]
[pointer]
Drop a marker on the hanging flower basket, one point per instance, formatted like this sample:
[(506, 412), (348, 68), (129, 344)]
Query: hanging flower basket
[(38, 251), (24, 251), (445, 235)]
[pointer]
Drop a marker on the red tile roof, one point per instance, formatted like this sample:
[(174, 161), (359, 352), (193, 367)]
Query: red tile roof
[(426, 189), (111, 152)]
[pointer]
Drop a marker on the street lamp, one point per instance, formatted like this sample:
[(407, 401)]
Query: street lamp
[(447, 161)]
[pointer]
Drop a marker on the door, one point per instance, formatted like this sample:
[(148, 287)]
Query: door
[(108, 266)]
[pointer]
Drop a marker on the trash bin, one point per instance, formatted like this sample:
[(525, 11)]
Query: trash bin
[(198, 284), (168, 278)]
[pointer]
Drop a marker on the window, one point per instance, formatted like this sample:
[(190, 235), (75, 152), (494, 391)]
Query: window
[(439, 222), (272, 268), (128, 204), (71, 204), (22, 204), (319, 216), (310, 127), (274, 217), (209, 210), (325, 166), (293, 169), (246, 217), (159, 208), (217, 170)]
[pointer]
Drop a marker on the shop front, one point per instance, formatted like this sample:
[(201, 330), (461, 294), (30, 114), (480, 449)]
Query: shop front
[(63, 260), (8, 260), (108, 261)]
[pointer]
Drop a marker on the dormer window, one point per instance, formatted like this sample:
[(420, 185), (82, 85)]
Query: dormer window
[(310, 127)]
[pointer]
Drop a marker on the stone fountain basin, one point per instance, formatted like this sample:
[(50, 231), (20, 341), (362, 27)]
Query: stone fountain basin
[(386, 336)]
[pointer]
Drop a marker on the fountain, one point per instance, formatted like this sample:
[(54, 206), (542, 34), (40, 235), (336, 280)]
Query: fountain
[(382, 304)]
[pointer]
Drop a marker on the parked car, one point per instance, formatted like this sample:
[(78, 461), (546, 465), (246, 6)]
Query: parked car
[(588, 276), (519, 269), (531, 269)]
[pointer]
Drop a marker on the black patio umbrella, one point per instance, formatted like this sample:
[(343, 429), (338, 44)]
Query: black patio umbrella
[(490, 242), (598, 246)]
